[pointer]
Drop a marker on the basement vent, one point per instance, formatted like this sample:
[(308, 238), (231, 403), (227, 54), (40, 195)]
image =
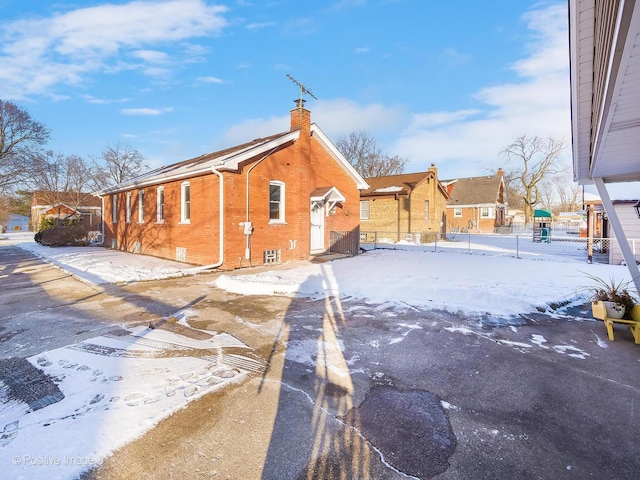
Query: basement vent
[(137, 247), (114, 244), (271, 256), (181, 254)]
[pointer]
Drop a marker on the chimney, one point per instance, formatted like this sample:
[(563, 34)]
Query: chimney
[(434, 169), (500, 172), (300, 116)]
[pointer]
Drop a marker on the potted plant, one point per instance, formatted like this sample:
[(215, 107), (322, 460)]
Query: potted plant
[(614, 295)]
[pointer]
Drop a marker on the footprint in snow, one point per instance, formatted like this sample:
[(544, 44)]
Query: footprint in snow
[(96, 399), (134, 399), (44, 362), (9, 432), (84, 368)]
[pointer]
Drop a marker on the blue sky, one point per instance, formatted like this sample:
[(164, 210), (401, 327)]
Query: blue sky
[(450, 83)]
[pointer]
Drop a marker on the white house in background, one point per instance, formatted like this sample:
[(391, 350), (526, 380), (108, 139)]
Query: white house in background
[(631, 226), (17, 223), (604, 40)]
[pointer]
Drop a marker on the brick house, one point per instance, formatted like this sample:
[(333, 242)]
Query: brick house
[(82, 206), (270, 200), (476, 204), (403, 206)]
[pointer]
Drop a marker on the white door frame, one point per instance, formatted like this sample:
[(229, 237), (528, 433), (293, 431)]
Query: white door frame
[(317, 225)]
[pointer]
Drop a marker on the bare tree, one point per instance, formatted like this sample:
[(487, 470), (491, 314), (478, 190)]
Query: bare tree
[(533, 160), (20, 137), (361, 150), (119, 164), (569, 193), (5, 212), (60, 180)]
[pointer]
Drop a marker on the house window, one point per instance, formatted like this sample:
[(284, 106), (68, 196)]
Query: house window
[(185, 203), (128, 208), (160, 205), (486, 212), (426, 209), (364, 209), (141, 206), (276, 202), (114, 209), (457, 212)]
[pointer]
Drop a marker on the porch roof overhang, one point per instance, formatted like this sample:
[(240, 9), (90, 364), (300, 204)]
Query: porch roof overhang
[(604, 39), (605, 91), (329, 194)]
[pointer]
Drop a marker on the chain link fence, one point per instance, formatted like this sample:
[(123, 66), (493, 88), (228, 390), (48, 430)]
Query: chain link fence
[(563, 248)]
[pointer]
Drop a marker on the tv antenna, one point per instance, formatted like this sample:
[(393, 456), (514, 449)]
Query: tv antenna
[(303, 90)]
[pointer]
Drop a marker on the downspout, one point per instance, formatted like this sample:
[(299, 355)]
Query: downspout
[(247, 250), (220, 228), (398, 208)]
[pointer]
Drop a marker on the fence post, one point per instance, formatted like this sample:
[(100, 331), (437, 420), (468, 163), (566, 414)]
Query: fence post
[(435, 248), (469, 241), (517, 246), (375, 239)]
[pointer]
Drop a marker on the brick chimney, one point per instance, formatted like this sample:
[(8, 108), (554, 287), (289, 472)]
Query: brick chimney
[(500, 172), (434, 169), (300, 116)]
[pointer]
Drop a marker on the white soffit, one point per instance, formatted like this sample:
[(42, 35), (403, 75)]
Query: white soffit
[(616, 155)]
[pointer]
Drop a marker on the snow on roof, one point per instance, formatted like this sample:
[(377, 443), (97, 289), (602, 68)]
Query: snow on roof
[(392, 189)]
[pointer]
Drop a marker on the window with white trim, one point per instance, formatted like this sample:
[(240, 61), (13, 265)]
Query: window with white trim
[(185, 202), (457, 212), (128, 208), (276, 202), (364, 209), (160, 205), (114, 209), (426, 209), (141, 206), (486, 212)]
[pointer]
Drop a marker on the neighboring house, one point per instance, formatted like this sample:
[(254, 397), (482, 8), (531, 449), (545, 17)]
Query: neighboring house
[(270, 200), (602, 245), (476, 204), (405, 206), (15, 223), (84, 207), (630, 226)]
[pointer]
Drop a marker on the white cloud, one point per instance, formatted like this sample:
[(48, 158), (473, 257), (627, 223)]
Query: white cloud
[(468, 142), (146, 111), (334, 117), (40, 54), (256, 26), (209, 80)]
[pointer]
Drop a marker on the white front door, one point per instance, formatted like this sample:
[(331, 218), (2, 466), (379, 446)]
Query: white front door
[(317, 225)]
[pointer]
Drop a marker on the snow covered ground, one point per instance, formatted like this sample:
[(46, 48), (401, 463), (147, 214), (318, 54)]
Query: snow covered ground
[(131, 384)]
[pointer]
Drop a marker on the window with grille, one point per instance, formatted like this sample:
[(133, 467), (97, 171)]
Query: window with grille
[(185, 203), (364, 209), (276, 202)]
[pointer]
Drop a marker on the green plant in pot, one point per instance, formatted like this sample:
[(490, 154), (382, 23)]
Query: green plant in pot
[(616, 295)]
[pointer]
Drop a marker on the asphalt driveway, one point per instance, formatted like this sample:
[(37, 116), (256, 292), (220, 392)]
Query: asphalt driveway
[(349, 389)]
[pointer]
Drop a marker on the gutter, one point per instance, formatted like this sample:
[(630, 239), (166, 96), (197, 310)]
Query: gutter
[(221, 228)]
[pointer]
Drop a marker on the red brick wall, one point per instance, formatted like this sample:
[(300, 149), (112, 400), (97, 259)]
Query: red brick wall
[(302, 167), (484, 225)]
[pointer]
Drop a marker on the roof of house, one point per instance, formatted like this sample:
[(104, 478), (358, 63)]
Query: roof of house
[(605, 69), (474, 190), (401, 184), (83, 199), (231, 159)]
